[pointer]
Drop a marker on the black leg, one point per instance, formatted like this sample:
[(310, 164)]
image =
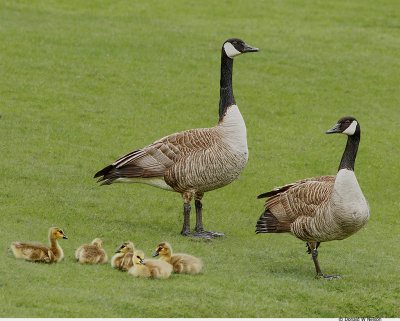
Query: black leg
[(314, 254), (199, 217), (200, 233), (186, 223), (199, 223), (186, 219)]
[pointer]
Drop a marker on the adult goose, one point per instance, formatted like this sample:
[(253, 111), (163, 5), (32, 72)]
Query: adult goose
[(323, 208), (194, 161)]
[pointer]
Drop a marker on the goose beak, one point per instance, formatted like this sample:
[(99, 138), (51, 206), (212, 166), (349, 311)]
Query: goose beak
[(65, 237), (118, 251), (248, 48), (142, 262), (156, 254), (334, 129)]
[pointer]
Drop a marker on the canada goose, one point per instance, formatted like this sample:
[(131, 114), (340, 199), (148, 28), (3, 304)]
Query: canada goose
[(181, 262), (38, 252), (323, 208), (194, 161), (149, 268), (122, 260), (92, 253)]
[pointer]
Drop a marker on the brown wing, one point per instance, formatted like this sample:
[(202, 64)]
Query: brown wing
[(32, 251), (155, 159), (31, 246), (289, 202)]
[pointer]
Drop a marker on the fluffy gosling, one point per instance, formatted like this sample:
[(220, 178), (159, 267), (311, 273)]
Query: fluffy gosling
[(92, 253), (181, 262), (38, 252), (149, 268), (122, 260)]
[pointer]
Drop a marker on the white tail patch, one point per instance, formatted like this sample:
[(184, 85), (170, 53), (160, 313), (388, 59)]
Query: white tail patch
[(230, 50), (351, 129), (153, 181)]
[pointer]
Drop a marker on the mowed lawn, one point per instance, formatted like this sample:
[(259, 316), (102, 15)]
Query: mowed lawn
[(81, 84)]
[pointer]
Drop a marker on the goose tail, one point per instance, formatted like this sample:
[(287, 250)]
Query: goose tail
[(268, 223), (107, 175)]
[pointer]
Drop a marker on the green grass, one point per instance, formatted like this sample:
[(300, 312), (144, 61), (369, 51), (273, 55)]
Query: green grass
[(83, 83)]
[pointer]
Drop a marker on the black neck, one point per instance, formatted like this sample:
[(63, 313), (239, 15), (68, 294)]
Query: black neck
[(350, 153), (226, 91)]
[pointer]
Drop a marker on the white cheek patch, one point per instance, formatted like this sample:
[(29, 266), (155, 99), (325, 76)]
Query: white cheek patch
[(351, 129), (230, 50)]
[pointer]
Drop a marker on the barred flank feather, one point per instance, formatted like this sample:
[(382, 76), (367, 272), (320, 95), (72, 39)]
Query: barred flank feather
[(200, 159)]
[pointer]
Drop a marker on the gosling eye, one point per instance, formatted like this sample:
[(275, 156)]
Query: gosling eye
[(138, 257), (61, 232), (159, 249), (122, 246)]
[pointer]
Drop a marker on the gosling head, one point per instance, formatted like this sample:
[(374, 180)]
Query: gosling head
[(234, 47), (138, 258), (57, 233), (126, 247), (98, 242), (346, 125), (163, 248)]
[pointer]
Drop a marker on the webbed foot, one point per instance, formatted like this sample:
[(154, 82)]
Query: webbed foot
[(203, 234), (328, 277)]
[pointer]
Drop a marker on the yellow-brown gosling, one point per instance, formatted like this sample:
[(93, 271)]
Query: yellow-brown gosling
[(38, 252), (122, 260), (149, 268), (181, 262), (92, 253)]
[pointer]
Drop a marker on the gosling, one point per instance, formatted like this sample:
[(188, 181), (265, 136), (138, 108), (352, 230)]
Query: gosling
[(123, 259), (181, 262), (38, 252), (149, 268), (92, 253)]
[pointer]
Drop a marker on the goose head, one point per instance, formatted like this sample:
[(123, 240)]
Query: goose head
[(138, 258), (98, 242), (346, 125), (57, 233), (163, 248), (234, 47), (126, 247)]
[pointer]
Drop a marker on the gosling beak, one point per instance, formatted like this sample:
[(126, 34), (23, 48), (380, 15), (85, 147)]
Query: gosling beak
[(156, 254), (334, 129), (142, 262), (65, 237), (248, 48), (118, 251)]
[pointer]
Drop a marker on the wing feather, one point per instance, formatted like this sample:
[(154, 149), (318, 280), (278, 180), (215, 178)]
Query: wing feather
[(154, 160), (302, 198)]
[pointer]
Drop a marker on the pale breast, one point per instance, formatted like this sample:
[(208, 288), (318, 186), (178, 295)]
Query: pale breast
[(349, 207)]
